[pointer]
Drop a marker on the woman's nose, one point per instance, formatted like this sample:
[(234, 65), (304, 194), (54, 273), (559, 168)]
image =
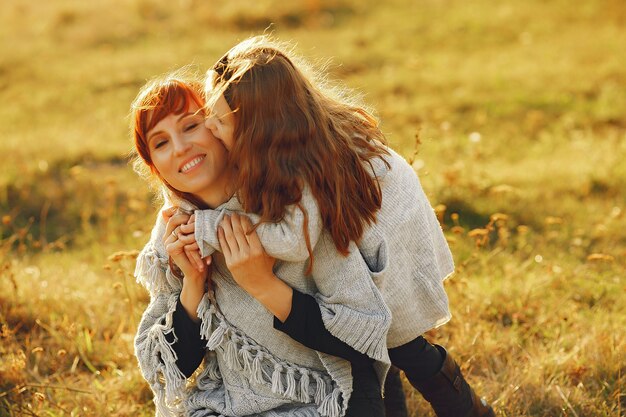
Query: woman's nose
[(181, 146)]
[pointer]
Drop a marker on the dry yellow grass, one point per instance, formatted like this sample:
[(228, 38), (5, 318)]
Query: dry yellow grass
[(521, 113)]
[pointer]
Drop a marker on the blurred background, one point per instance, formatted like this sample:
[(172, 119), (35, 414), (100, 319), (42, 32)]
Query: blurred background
[(513, 113)]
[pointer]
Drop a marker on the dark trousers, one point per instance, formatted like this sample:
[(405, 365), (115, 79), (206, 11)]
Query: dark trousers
[(418, 359), (365, 400)]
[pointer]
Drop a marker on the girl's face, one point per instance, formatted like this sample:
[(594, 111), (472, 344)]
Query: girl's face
[(187, 156), (221, 122)]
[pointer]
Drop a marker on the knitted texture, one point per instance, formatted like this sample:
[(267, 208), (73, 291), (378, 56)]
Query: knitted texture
[(404, 254), (249, 369), (396, 269)]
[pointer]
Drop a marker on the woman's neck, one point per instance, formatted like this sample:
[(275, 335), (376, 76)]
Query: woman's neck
[(221, 191)]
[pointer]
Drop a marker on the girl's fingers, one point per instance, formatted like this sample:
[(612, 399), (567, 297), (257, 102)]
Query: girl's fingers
[(227, 227), (192, 246), (187, 239), (253, 237), (223, 243), (238, 232)]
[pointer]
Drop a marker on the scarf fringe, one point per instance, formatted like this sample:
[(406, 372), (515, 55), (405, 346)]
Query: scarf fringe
[(257, 369), (290, 391), (205, 311), (210, 376), (167, 381), (331, 406), (304, 387), (277, 380), (152, 271), (244, 355)]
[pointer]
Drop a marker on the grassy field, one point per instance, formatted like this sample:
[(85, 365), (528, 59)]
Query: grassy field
[(513, 113)]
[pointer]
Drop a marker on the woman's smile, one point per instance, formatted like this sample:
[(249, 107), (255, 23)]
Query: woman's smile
[(189, 165)]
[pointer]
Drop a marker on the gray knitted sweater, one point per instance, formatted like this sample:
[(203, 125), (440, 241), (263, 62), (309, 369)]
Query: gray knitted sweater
[(405, 251), (402, 260), (250, 368)]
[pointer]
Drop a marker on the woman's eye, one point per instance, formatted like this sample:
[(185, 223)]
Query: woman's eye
[(159, 144), (191, 126)]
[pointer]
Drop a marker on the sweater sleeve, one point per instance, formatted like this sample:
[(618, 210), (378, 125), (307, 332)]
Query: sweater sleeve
[(282, 240), (352, 307), (305, 325), (187, 344)]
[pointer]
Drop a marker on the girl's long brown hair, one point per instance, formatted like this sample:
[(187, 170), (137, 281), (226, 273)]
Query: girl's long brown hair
[(289, 133)]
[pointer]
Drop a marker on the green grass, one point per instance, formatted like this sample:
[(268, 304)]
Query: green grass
[(539, 316)]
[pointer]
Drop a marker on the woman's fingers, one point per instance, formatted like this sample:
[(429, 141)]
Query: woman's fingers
[(188, 227), (168, 212), (184, 260), (174, 223), (176, 250), (193, 253), (249, 265)]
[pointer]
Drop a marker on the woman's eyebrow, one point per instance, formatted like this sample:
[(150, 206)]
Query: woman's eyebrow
[(152, 135), (182, 116)]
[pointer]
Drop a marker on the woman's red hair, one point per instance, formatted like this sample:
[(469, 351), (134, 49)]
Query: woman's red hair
[(157, 99)]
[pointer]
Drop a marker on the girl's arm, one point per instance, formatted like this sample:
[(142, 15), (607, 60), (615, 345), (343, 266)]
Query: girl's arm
[(282, 240), (351, 307), (251, 267), (295, 314)]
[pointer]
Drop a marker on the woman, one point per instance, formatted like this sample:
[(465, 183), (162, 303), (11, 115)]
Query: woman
[(250, 367)]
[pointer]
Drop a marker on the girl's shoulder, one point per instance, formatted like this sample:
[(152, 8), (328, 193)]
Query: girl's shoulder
[(388, 164)]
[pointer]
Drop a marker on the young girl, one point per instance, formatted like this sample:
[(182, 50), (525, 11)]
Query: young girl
[(252, 362), (313, 167)]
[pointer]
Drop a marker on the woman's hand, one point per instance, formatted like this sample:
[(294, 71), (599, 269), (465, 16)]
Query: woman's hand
[(195, 277), (192, 249), (251, 267), (175, 242), (186, 228)]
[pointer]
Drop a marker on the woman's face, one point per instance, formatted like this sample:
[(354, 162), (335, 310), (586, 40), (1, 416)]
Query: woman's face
[(187, 156), (221, 122)]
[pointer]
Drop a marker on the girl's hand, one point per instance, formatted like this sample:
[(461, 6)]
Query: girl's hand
[(251, 267), (245, 257)]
